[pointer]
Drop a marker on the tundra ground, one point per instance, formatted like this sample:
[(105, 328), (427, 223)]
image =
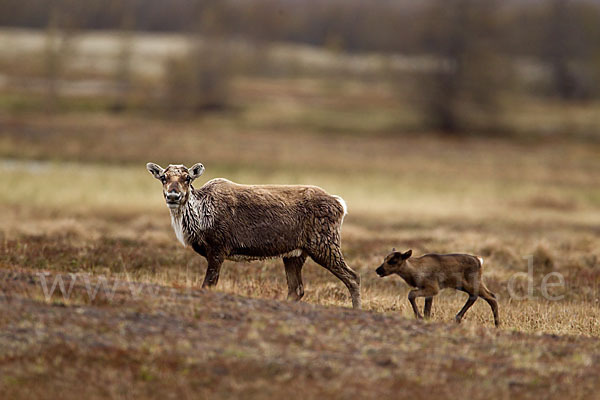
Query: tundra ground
[(160, 335), (170, 343)]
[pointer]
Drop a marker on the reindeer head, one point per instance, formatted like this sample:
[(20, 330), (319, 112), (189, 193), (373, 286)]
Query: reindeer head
[(177, 181), (393, 262)]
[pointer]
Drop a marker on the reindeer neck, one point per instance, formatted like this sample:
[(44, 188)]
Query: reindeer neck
[(184, 220), (407, 270)]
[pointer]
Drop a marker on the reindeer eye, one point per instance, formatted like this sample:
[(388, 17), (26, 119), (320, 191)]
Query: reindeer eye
[(163, 179), (393, 261), (188, 179)]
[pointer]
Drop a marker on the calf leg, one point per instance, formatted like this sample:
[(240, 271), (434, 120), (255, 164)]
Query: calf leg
[(490, 298), (472, 298), (331, 258), (212, 272), (293, 273), (427, 292), (427, 308)]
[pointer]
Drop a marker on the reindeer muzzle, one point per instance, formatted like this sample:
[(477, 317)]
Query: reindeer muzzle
[(173, 198)]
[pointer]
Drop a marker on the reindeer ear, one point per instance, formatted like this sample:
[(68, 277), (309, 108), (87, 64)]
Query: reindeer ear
[(407, 254), (196, 170), (156, 170)]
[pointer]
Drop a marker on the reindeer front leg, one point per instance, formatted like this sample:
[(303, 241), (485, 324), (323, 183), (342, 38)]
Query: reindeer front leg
[(426, 292), (427, 308), (214, 268)]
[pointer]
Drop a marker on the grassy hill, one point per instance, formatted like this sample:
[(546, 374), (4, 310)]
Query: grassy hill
[(160, 342)]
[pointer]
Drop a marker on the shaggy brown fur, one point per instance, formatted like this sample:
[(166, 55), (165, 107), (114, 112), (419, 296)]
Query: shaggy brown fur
[(432, 272), (224, 220)]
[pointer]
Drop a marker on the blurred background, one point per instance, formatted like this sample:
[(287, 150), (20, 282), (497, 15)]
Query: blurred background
[(461, 67), (446, 125)]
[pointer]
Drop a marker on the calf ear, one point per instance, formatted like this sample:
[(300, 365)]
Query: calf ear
[(156, 170), (394, 259), (196, 170), (407, 254)]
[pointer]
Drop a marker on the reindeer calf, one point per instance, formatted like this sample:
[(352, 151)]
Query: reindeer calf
[(432, 272)]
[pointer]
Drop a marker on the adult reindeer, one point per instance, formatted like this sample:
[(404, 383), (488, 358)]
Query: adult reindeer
[(223, 220)]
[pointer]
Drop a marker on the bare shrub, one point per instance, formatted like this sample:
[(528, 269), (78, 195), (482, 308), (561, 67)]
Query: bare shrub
[(543, 258), (123, 67), (460, 92), (198, 81), (58, 48), (501, 255)]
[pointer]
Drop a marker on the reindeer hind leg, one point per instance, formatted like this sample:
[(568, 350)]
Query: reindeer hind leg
[(293, 273), (470, 301), (331, 258), (490, 298)]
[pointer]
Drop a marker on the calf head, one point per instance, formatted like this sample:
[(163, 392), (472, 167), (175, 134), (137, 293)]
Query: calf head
[(177, 182), (393, 262)]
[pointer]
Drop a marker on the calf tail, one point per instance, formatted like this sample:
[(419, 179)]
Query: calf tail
[(480, 259)]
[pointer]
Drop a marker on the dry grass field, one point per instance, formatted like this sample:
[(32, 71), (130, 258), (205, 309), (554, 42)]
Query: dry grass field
[(78, 205)]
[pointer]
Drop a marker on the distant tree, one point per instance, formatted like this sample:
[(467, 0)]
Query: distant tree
[(559, 49), (60, 33), (571, 48), (460, 92), (199, 80), (123, 63)]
